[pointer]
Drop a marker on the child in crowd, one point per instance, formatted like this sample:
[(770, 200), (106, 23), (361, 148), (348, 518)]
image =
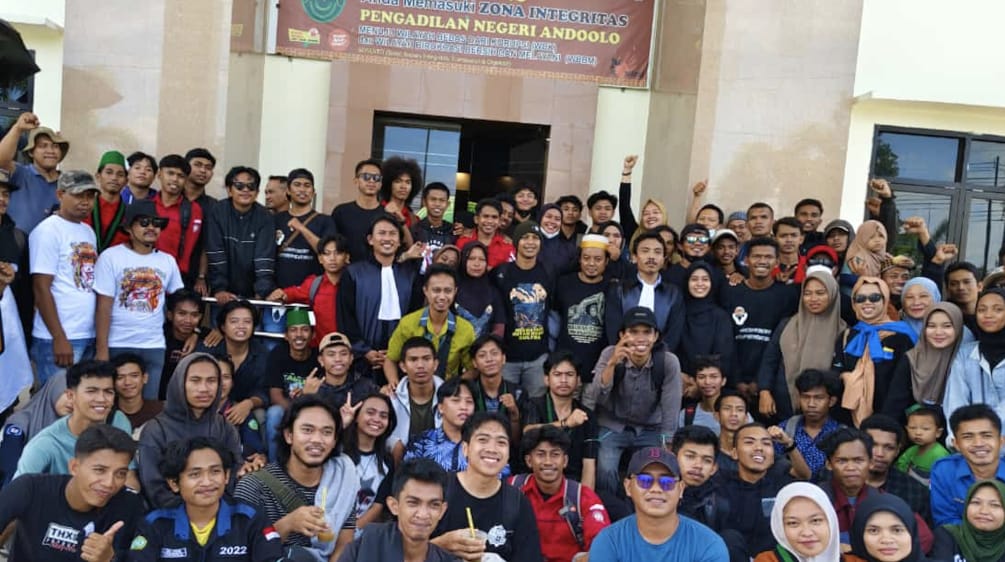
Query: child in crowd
[(252, 446), (925, 427)]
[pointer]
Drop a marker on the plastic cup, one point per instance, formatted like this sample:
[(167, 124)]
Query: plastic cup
[(326, 535)]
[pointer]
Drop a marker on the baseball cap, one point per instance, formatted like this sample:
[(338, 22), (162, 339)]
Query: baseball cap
[(639, 315), (724, 233), (333, 339), (54, 136), (837, 224), (139, 208), (649, 455), (76, 182), (736, 216), (527, 227)]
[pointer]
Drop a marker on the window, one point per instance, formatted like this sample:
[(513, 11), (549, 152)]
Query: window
[(15, 99), (939, 175)]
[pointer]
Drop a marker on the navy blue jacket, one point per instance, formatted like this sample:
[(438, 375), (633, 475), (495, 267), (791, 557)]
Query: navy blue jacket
[(241, 534), (358, 301)]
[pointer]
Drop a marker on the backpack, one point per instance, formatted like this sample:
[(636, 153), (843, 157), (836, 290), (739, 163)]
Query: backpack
[(658, 374), (185, 214), (689, 413), (571, 505), (315, 287)]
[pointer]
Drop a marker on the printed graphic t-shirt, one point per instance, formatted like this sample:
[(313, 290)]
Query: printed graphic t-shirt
[(526, 295), (67, 251), (139, 285)]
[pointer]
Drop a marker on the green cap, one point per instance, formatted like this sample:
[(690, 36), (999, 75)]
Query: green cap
[(112, 157), (297, 317)]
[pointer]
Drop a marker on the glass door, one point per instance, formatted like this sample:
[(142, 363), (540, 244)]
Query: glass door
[(984, 223)]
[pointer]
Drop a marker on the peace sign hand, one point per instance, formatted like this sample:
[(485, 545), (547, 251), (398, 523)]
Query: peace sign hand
[(348, 411)]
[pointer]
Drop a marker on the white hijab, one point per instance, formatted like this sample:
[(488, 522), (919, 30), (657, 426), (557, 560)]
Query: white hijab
[(813, 493)]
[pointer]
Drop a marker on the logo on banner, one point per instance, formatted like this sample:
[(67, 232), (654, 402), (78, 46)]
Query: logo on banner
[(323, 11)]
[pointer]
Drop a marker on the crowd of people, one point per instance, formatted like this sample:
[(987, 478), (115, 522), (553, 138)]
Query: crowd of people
[(536, 380)]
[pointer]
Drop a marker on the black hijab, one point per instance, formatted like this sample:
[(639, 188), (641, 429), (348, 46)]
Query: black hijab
[(892, 504), (992, 344), (704, 319)]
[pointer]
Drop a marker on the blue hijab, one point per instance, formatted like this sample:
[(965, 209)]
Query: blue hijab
[(931, 288)]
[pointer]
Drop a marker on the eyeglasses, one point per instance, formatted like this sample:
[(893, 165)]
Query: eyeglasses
[(367, 176), (157, 222), (646, 481), (696, 239), (242, 186), (872, 297)]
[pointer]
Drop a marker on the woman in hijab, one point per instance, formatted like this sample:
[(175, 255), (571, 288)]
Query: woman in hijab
[(708, 329), (804, 525), (922, 378), (478, 301), (804, 341), (47, 405), (978, 371), (560, 255), (917, 296), (980, 537), (885, 530), (867, 354), (866, 254)]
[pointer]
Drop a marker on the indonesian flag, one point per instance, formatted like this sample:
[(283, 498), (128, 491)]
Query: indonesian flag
[(270, 533)]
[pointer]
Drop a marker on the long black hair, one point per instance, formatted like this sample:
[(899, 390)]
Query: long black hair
[(350, 437)]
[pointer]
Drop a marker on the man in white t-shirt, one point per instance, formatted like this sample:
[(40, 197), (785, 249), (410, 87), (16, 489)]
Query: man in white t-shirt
[(63, 252), (132, 281)]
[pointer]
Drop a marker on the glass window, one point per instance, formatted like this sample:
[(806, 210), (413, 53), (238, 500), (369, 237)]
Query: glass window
[(985, 233), (986, 164), (920, 157), (935, 209)]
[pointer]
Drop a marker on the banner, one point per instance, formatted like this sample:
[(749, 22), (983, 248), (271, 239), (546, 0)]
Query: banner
[(606, 41)]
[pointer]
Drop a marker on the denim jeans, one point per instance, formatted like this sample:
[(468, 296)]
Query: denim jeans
[(528, 374), (612, 445), (154, 360), (273, 416), (45, 358)]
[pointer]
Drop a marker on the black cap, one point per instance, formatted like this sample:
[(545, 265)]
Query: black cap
[(139, 208), (645, 457), (637, 316)]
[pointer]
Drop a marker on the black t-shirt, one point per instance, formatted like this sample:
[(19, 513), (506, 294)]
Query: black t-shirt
[(282, 371), (584, 437), (421, 418), (507, 517), (755, 315), (580, 307), (353, 222), (526, 296), (172, 355), (49, 529), (435, 237), (298, 260)]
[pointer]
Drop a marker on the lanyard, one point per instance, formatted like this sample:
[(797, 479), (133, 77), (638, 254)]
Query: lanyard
[(443, 348), (105, 240)]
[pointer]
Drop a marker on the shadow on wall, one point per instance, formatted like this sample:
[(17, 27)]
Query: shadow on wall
[(87, 95), (808, 163)]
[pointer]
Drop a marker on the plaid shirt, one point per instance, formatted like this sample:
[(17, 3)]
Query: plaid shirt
[(909, 490)]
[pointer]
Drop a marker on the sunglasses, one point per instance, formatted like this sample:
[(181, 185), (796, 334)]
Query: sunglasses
[(157, 222), (367, 176), (646, 481), (696, 239), (242, 186), (873, 298)]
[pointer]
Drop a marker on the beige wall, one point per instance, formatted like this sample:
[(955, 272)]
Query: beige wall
[(774, 101), (155, 81), (357, 90)]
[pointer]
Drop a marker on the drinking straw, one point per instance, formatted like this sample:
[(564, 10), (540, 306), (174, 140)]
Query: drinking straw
[(471, 522)]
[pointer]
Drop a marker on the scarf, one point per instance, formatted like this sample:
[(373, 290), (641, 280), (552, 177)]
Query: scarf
[(918, 324), (859, 258), (973, 543), (336, 495), (41, 409), (889, 503), (992, 344), (807, 341), (930, 366), (815, 494), (105, 236)]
